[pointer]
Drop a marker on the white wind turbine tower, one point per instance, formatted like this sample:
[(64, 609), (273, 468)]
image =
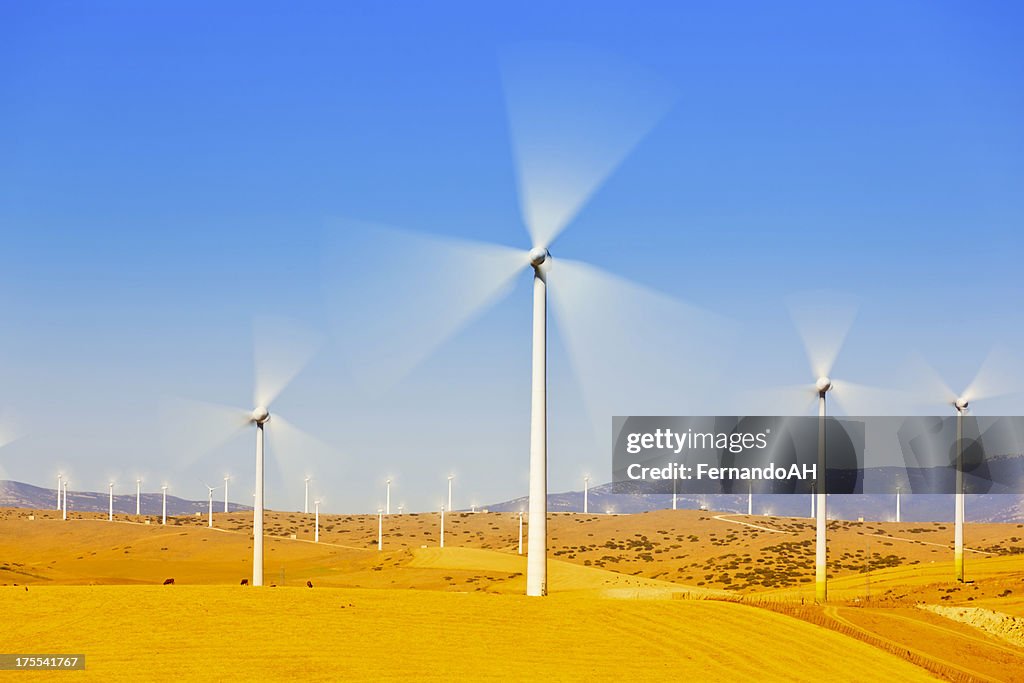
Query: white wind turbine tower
[(520, 532), (442, 526), (305, 505), (1000, 374), (898, 503), (209, 513), (110, 506), (60, 477), (450, 477), (163, 516), (387, 496), (138, 496), (574, 117), (281, 352), (586, 494), (226, 477)]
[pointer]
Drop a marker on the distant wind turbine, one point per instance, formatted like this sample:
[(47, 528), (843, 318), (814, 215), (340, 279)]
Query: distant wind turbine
[(281, 351), (450, 477), (138, 497), (1000, 374), (305, 505), (586, 494), (387, 495), (442, 526), (226, 477), (60, 476), (823, 320), (110, 508), (163, 516), (210, 503)]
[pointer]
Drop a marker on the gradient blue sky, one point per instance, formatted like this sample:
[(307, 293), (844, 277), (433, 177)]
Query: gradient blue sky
[(170, 170)]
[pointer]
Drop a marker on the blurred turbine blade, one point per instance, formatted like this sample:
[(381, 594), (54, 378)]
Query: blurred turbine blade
[(823, 320), (796, 399), (397, 296), (1000, 374), (926, 385), (190, 429), (294, 450), (861, 400), (281, 349), (11, 429), (574, 115), (635, 351)]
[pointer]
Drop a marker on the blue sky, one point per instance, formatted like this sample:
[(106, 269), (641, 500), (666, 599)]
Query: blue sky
[(171, 170)]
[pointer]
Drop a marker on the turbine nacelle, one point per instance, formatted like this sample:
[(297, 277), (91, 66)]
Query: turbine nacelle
[(823, 384), (960, 404), (538, 256), (260, 415)]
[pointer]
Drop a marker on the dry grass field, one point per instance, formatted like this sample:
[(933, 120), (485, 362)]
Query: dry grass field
[(693, 593)]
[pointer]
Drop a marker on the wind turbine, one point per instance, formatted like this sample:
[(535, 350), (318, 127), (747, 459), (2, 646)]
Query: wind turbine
[(586, 494), (60, 476), (442, 526), (387, 495), (520, 532), (110, 507), (575, 116), (1000, 374), (226, 477), (305, 505), (163, 516), (823, 320), (450, 477), (898, 503), (138, 496), (210, 501), (281, 351)]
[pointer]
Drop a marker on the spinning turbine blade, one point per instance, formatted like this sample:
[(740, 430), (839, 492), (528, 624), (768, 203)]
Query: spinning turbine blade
[(823, 320), (574, 116), (397, 296), (635, 351), (861, 400), (1000, 374), (798, 399), (928, 386), (301, 450), (192, 428), (281, 349)]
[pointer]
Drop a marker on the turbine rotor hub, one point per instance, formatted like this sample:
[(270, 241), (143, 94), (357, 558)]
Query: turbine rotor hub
[(823, 384), (260, 415), (538, 255), (960, 404)]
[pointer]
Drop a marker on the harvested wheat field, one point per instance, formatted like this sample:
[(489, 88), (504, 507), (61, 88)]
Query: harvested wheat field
[(630, 597), (222, 632)]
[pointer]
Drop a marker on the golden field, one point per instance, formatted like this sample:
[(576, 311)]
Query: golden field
[(625, 601)]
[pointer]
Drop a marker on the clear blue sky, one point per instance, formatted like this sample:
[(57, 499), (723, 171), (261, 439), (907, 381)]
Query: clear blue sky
[(170, 170)]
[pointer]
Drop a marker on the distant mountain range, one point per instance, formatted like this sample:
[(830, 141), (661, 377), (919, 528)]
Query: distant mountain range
[(19, 495), (1007, 508)]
